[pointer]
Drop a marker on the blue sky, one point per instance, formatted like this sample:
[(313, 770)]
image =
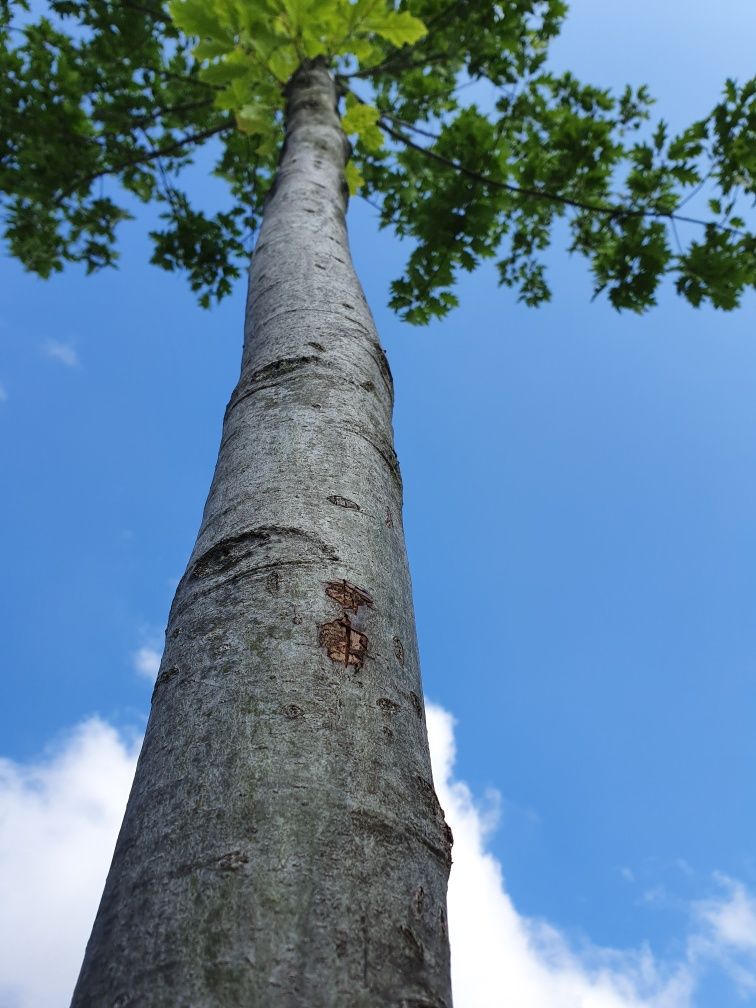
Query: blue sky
[(580, 485)]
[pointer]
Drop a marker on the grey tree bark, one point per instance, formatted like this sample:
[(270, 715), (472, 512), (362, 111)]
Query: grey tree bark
[(283, 844)]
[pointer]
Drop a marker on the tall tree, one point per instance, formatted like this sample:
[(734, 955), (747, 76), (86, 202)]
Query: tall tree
[(283, 844)]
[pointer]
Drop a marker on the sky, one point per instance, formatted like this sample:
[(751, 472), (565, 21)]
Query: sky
[(581, 483)]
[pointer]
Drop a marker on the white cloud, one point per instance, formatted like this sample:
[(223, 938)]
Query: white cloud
[(62, 352), (732, 918), (727, 933), (60, 817), (501, 958), (147, 662)]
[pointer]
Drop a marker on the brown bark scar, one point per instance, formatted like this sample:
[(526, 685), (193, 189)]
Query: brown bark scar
[(343, 643), (348, 596)]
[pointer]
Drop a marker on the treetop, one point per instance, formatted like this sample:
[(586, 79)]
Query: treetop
[(464, 140)]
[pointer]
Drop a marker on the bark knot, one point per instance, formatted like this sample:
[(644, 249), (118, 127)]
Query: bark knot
[(399, 650), (165, 676), (233, 860), (343, 502), (388, 707), (418, 901), (415, 947)]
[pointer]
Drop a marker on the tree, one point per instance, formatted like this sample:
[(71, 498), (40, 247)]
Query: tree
[(298, 556)]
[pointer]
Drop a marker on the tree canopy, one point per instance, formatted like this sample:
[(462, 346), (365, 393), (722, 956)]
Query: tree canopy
[(464, 139)]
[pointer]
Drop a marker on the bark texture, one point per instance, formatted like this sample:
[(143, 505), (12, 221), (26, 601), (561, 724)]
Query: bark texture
[(283, 844)]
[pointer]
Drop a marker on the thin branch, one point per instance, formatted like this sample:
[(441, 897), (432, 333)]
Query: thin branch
[(697, 189), (677, 237), (156, 15), (169, 191), (610, 211), (163, 113), (415, 129), (371, 202), (392, 219), (442, 15), (151, 155), (398, 60), (169, 75)]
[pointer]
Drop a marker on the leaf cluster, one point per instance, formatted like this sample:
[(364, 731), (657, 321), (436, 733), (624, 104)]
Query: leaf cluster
[(470, 147), (494, 157), (109, 90)]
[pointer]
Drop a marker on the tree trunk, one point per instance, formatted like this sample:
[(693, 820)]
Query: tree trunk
[(283, 844)]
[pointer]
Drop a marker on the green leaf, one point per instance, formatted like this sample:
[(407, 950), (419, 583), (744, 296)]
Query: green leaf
[(282, 62), (224, 71), (253, 119), (354, 179), (297, 11), (365, 51), (107, 91), (197, 17), (397, 27), (362, 120), (210, 48)]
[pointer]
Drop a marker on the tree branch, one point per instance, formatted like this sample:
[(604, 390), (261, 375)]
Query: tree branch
[(608, 210), (150, 12), (151, 155), (398, 60), (168, 75), (162, 113)]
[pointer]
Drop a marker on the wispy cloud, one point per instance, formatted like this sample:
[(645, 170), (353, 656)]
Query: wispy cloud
[(147, 662), (64, 353)]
